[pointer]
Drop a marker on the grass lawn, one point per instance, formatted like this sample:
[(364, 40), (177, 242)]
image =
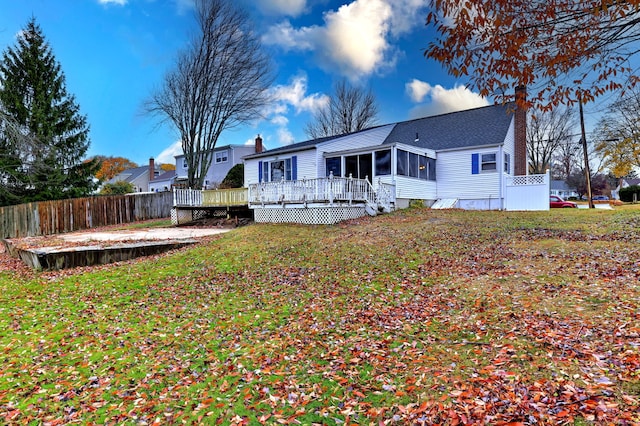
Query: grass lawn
[(419, 317)]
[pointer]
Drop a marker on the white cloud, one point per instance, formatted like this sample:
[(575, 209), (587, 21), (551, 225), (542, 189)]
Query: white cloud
[(285, 137), (441, 100), (282, 7), (417, 90), (404, 13), (167, 155), (295, 95), (289, 38), (355, 40), (280, 120), (292, 96), (118, 2)]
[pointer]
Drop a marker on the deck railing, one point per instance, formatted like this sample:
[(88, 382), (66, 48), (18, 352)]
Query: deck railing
[(213, 198), (225, 197), (321, 190)]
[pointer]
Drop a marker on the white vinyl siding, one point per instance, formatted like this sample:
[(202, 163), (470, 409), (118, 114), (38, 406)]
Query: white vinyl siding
[(305, 162), (455, 178)]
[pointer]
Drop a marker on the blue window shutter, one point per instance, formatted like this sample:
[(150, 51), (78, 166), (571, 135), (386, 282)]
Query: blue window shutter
[(259, 171), (475, 164), (294, 168)]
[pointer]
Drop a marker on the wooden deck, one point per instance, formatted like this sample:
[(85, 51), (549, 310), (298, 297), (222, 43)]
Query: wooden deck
[(309, 195)]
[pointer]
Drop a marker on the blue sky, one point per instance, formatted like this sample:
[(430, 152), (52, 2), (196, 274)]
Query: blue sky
[(115, 52)]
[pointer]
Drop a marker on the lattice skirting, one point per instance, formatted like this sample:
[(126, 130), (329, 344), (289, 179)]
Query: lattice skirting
[(180, 216), (308, 216)]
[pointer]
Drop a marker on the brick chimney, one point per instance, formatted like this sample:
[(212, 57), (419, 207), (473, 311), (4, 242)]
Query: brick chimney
[(258, 145), (520, 133), (152, 169)]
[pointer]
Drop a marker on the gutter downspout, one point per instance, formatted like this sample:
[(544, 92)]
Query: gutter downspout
[(501, 176)]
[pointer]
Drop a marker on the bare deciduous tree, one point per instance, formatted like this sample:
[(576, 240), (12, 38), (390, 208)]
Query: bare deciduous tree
[(350, 109), (220, 81), (567, 158), (547, 133)]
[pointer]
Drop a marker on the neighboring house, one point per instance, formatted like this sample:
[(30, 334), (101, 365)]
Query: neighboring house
[(562, 190), (222, 160), (462, 159), (139, 177), (163, 182), (623, 183)]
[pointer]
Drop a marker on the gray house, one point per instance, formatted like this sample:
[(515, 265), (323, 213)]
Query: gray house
[(223, 158), (139, 177)]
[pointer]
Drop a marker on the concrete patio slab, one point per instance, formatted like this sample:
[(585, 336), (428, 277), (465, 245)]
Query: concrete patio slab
[(150, 234), (88, 248)]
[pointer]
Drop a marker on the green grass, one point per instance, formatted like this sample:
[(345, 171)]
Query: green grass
[(397, 318)]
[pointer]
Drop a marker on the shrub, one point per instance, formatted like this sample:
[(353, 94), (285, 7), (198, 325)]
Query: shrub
[(626, 194), (118, 188), (235, 178)]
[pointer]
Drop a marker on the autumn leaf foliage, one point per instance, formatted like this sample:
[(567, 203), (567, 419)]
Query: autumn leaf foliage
[(562, 50)]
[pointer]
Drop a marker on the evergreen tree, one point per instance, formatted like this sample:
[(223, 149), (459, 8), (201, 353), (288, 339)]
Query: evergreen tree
[(45, 163)]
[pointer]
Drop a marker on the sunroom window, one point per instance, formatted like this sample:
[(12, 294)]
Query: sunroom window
[(383, 162)]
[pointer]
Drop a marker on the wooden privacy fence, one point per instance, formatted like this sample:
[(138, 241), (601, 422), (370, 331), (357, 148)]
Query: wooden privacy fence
[(55, 217)]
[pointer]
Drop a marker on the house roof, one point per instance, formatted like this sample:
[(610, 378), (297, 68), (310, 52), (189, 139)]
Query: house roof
[(300, 146), (462, 129), (560, 185), (219, 148), (130, 175), (482, 126), (166, 176)]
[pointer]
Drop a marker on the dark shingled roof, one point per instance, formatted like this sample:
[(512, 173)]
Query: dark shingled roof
[(293, 147), (462, 129)]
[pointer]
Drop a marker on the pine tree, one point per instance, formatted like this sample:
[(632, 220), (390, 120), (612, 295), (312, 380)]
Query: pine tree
[(45, 163)]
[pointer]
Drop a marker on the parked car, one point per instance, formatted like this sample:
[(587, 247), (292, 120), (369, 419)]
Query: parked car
[(556, 202), (600, 198)]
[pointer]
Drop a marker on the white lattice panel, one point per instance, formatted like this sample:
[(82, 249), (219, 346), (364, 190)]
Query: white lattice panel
[(308, 216), (180, 216), (528, 180)]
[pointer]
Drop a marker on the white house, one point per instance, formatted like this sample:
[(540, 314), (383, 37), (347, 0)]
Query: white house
[(468, 159), (163, 182), (623, 183), (223, 158), (562, 190)]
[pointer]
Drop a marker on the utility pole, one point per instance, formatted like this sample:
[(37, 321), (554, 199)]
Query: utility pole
[(587, 172)]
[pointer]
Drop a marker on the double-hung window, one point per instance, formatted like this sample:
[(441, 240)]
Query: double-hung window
[(488, 162), (222, 156)]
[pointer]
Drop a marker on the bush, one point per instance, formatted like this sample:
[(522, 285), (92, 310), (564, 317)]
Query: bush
[(235, 178), (117, 188), (626, 194)]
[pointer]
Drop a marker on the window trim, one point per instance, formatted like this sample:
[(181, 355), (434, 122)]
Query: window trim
[(484, 163), (222, 156)]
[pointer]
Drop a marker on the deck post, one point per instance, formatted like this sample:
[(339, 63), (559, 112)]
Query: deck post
[(331, 195)]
